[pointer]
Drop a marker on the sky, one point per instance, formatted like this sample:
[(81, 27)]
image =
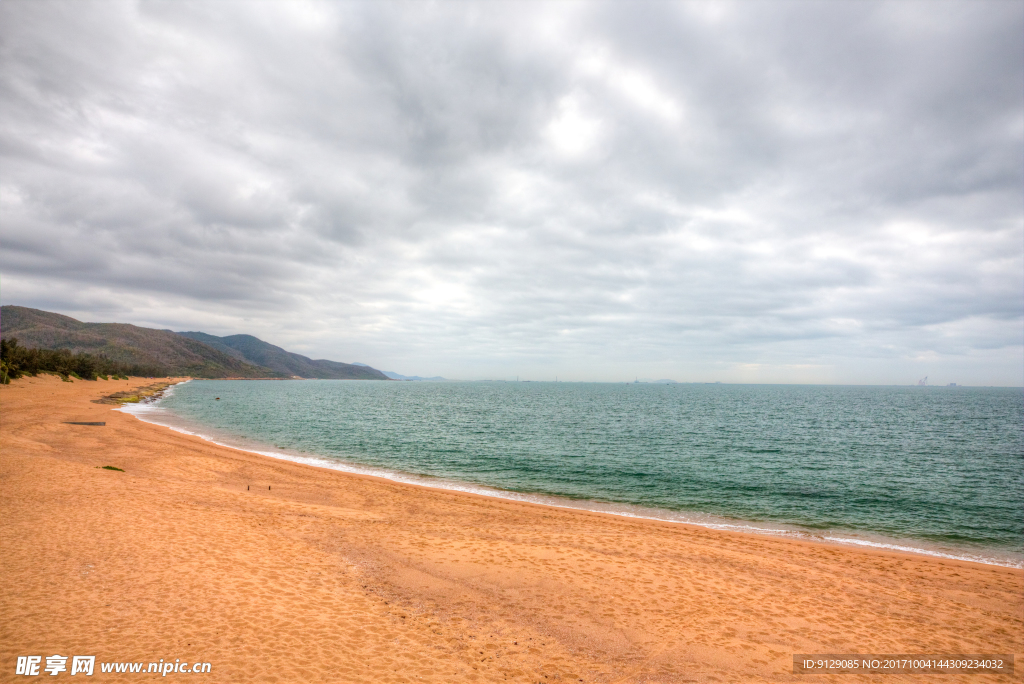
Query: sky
[(769, 192)]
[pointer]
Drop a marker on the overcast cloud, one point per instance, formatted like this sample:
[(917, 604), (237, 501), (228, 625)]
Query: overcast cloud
[(761, 192)]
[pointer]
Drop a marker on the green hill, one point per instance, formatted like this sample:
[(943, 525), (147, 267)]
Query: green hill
[(256, 351), (161, 352)]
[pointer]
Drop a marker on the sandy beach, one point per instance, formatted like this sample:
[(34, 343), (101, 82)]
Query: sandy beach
[(274, 571)]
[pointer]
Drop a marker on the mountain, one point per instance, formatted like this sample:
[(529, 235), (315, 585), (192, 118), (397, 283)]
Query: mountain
[(164, 352), (255, 351), (398, 376), (161, 352)]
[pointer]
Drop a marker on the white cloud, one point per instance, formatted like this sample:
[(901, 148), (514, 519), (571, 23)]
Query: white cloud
[(806, 192), (572, 131)]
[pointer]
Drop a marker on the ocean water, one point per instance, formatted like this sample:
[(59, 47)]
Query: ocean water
[(934, 470)]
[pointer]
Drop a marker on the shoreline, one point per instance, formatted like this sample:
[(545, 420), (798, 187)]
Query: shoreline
[(792, 531), (279, 571)]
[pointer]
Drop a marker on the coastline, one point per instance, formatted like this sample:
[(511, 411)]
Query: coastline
[(144, 411), (331, 576)]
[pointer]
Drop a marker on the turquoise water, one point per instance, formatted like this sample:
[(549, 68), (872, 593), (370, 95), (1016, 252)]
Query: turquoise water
[(936, 469)]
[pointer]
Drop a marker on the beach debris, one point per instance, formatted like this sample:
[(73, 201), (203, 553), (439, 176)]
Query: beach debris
[(81, 422), (120, 470)]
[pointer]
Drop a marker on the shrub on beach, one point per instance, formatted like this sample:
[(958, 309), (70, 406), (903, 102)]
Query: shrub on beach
[(16, 361)]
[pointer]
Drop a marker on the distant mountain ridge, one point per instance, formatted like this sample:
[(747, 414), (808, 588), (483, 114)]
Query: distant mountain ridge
[(398, 376), (255, 351), (164, 352)]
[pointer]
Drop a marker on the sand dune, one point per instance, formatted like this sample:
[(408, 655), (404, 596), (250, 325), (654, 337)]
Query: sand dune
[(333, 577)]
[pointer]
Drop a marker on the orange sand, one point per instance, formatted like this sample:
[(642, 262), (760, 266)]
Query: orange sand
[(331, 577)]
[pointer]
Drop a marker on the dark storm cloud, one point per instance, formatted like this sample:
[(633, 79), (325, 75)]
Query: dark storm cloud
[(772, 191)]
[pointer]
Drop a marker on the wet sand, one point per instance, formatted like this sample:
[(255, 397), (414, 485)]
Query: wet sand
[(274, 571)]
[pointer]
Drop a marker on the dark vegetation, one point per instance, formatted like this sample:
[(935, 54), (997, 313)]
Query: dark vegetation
[(16, 361)]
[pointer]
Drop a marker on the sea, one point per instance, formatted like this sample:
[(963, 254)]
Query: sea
[(931, 470)]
